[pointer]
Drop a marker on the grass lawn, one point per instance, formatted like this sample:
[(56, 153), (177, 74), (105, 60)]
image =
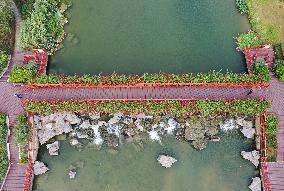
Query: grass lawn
[(267, 19)]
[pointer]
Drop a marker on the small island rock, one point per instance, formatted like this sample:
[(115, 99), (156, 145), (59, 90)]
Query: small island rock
[(40, 168), (256, 184), (166, 161)]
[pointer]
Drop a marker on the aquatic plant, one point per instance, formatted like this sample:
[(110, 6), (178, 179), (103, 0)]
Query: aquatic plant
[(3, 149), (242, 6), (23, 73), (279, 69), (247, 40)]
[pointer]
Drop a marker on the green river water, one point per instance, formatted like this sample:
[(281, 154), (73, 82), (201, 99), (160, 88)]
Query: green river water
[(136, 36), (219, 167)]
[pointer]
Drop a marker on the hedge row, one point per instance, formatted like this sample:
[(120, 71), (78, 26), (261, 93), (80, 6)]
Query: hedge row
[(3, 149), (271, 137), (117, 79), (176, 107), (22, 131)]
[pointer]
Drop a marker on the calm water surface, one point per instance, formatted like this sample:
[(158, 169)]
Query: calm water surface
[(217, 168), (135, 36)]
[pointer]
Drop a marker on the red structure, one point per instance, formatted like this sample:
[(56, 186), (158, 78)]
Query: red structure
[(262, 53), (263, 164), (39, 56)]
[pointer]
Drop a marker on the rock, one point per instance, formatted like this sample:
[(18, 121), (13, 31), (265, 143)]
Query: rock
[(39, 168), (228, 125), (81, 135), (74, 142), (194, 132), (138, 124), (143, 116), (215, 139), (244, 123), (112, 151), (94, 116), (62, 137), (166, 161), (171, 126), (200, 144), (85, 125), (72, 174), (53, 148), (252, 156), (72, 118), (256, 184), (211, 131), (248, 132)]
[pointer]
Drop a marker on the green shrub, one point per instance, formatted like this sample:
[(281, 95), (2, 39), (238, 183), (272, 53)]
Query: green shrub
[(260, 70), (23, 73), (248, 39), (23, 161), (22, 131), (3, 60), (271, 137), (279, 69), (204, 107), (3, 150), (44, 27), (242, 6), (278, 52), (6, 26)]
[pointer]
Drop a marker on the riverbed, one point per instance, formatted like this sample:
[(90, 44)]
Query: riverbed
[(173, 36)]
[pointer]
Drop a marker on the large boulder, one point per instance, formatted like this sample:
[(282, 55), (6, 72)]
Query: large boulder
[(248, 132), (255, 184), (166, 161), (39, 168), (200, 144), (53, 148), (252, 156)]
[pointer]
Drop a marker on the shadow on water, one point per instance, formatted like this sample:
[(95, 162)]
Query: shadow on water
[(175, 36), (218, 167)]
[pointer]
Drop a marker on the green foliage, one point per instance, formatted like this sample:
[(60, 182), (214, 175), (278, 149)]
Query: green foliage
[(23, 160), (202, 107), (271, 137), (23, 73), (22, 131), (3, 151), (260, 70), (6, 26), (278, 51), (44, 27), (25, 6), (279, 69), (3, 60), (242, 6), (248, 39), (116, 79)]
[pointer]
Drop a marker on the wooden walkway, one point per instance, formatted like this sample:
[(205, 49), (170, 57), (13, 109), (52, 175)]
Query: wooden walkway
[(16, 174)]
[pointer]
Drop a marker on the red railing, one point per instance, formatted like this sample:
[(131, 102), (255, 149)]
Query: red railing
[(29, 171), (263, 162), (142, 85)]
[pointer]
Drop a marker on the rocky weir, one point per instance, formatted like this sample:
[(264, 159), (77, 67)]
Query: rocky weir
[(111, 130)]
